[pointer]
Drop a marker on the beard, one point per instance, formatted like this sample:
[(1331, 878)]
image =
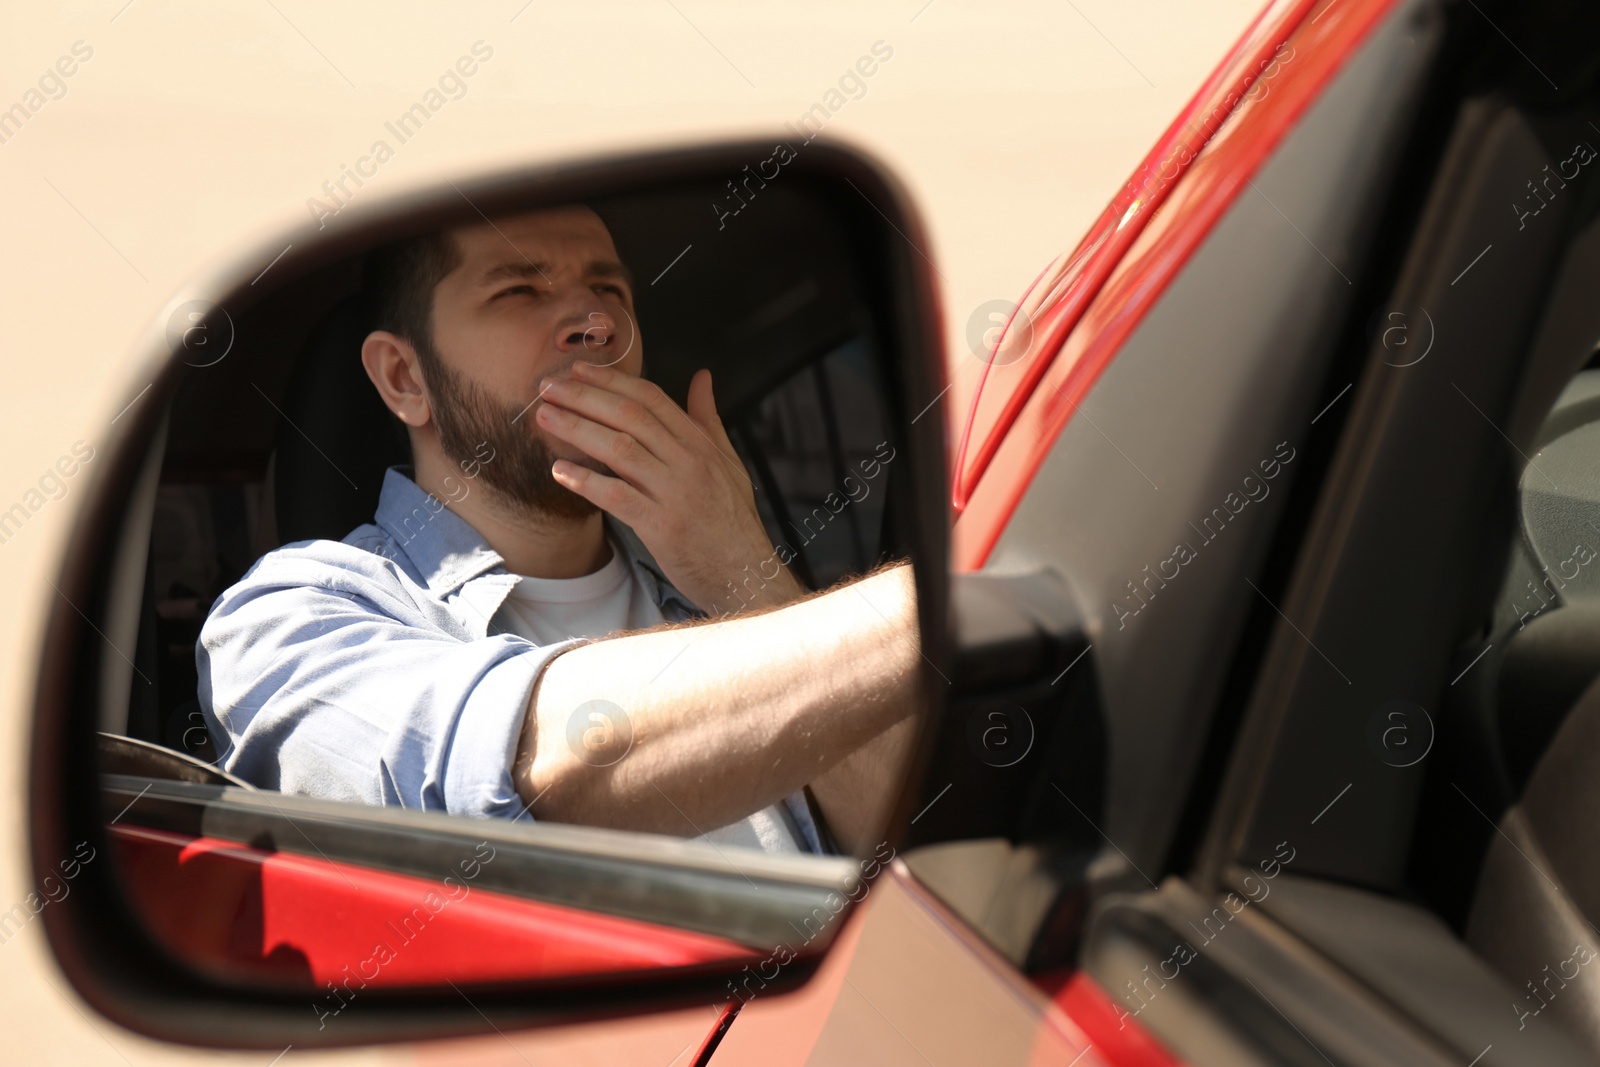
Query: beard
[(518, 472)]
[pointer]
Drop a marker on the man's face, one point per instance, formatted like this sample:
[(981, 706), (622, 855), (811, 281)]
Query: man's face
[(533, 295)]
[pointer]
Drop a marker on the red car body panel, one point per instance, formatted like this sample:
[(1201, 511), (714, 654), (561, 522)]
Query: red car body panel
[(1083, 310), (1057, 299), (906, 981), (234, 911)]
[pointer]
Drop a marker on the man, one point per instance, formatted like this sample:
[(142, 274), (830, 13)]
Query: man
[(517, 634)]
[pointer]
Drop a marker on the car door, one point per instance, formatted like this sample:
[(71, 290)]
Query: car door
[(1260, 456), (1086, 457)]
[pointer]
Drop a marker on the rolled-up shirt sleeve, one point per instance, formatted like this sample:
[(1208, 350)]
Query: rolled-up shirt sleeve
[(322, 673)]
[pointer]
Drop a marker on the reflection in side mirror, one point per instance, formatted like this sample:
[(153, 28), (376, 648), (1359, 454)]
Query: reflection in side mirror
[(524, 599)]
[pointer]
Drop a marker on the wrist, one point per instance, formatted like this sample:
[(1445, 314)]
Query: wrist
[(756, 589)]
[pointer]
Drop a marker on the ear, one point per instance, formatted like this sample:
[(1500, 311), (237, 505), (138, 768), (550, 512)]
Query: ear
[(391, 363)]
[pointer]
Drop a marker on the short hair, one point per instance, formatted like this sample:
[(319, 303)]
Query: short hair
[(399, 281)]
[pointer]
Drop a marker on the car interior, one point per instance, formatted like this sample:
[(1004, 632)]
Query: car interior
[(284, 439)]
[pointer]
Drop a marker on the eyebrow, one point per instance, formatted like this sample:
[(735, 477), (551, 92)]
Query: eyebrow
[(512, 269)]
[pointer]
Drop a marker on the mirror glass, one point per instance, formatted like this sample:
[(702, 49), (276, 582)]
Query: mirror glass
[(521, 594)]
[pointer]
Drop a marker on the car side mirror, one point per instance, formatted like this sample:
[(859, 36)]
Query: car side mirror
[(208, 909)]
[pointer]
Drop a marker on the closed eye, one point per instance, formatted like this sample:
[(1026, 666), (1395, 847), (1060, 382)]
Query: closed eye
[(516, 290)]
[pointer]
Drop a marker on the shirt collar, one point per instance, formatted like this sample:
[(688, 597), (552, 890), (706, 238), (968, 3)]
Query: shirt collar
[(448, 552)]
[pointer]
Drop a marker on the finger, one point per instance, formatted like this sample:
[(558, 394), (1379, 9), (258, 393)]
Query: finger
[(651, 395), (618, 450), (615, 410), (703, 409), (683, 426), (611, 495)]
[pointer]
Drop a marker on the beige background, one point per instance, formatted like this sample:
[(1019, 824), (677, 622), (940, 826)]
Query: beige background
[(200, 129)]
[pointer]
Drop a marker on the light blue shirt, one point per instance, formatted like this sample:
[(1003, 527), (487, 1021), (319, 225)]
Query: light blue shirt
[(366, 670)]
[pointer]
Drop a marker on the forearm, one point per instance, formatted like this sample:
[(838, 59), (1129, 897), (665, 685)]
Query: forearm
[(856, 795), (725, 717)]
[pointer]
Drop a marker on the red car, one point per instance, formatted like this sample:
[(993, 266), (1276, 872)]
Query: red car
[(1256, 601)]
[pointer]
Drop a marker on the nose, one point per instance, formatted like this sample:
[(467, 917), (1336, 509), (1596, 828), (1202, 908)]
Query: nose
[(589, 328)]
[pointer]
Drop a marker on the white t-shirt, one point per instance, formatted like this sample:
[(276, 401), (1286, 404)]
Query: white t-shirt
[(548, 610)]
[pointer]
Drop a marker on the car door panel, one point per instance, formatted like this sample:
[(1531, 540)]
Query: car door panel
[(1390, 599), (910, 984), (1201, 395), (239, 911), (745, 895), (1223, 980)]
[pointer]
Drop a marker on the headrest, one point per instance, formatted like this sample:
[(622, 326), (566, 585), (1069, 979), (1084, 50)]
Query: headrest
[(337, 439)]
